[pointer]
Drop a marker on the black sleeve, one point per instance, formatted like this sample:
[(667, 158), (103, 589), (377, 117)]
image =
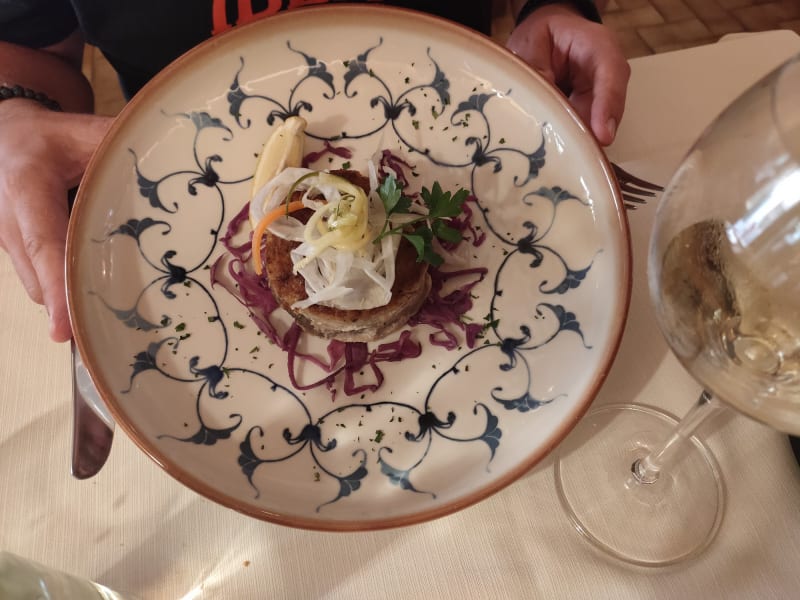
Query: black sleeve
[(36, 23), (586, 7), (476, 14)]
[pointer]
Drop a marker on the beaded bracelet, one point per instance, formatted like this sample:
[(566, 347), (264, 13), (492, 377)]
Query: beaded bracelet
[(586, 7), (17, 91)]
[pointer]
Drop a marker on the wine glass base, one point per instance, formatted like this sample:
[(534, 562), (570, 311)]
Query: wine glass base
[(647, 524)]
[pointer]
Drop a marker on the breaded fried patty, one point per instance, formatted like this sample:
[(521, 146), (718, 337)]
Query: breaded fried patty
[(411, 286)]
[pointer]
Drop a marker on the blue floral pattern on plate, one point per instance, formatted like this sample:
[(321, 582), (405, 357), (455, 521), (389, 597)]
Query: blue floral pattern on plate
[(201, 388)]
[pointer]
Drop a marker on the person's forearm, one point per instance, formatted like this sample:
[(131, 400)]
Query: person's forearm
[(54, 71)]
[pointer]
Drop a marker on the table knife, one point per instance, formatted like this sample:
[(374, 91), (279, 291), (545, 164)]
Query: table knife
[(93, 427)]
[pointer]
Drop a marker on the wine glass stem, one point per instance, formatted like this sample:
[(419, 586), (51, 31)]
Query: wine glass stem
[(648, 468)]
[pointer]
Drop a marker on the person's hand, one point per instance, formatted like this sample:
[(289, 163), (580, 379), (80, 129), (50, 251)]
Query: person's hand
[(42, 155), (582, 58)]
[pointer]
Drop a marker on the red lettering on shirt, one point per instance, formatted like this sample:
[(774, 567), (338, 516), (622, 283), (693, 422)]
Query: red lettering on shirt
[(219, 17)]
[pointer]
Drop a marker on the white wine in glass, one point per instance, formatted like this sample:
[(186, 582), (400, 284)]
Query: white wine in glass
[(724, 277)]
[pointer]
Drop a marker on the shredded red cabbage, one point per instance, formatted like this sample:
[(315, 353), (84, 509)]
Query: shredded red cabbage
[(312, 157), (444, 312), (469, 232), (391, 161), (353, 363)]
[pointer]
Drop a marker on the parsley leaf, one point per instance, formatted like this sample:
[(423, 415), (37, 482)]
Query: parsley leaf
[(392, 196), (444, 232), (422, 239), (442, 206)]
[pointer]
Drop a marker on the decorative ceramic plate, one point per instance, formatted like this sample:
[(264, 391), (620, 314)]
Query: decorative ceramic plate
[(186, 371)]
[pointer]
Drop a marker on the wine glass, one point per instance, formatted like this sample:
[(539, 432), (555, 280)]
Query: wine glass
[(724, 277)]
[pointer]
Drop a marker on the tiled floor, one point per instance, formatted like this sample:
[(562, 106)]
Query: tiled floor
[(652, 26), (643, 27)]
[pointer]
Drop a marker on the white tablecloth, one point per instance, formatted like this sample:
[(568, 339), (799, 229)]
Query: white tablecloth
[(140, 532)]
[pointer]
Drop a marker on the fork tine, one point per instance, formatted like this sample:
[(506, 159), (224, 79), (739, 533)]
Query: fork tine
[(623, 175), (627, 187), (629, 198)]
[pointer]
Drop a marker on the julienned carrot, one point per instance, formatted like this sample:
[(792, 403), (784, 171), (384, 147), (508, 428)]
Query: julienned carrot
[(267, 220)]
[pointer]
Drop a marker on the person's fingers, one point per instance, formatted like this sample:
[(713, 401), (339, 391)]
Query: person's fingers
[(82, 135), (60, 327), (535, 47), (608, 99), (46, 229), (13, 190), (38, 169), (583, 59), (42, 221), (599, 76), (11, 242)]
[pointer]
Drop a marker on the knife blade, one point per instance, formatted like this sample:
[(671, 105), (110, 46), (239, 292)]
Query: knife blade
[(92, 427)]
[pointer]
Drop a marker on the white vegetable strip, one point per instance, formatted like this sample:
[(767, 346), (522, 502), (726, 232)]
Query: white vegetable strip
[(340, 264)]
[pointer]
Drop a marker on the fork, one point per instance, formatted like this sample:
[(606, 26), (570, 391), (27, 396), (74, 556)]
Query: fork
[(635, 191)]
